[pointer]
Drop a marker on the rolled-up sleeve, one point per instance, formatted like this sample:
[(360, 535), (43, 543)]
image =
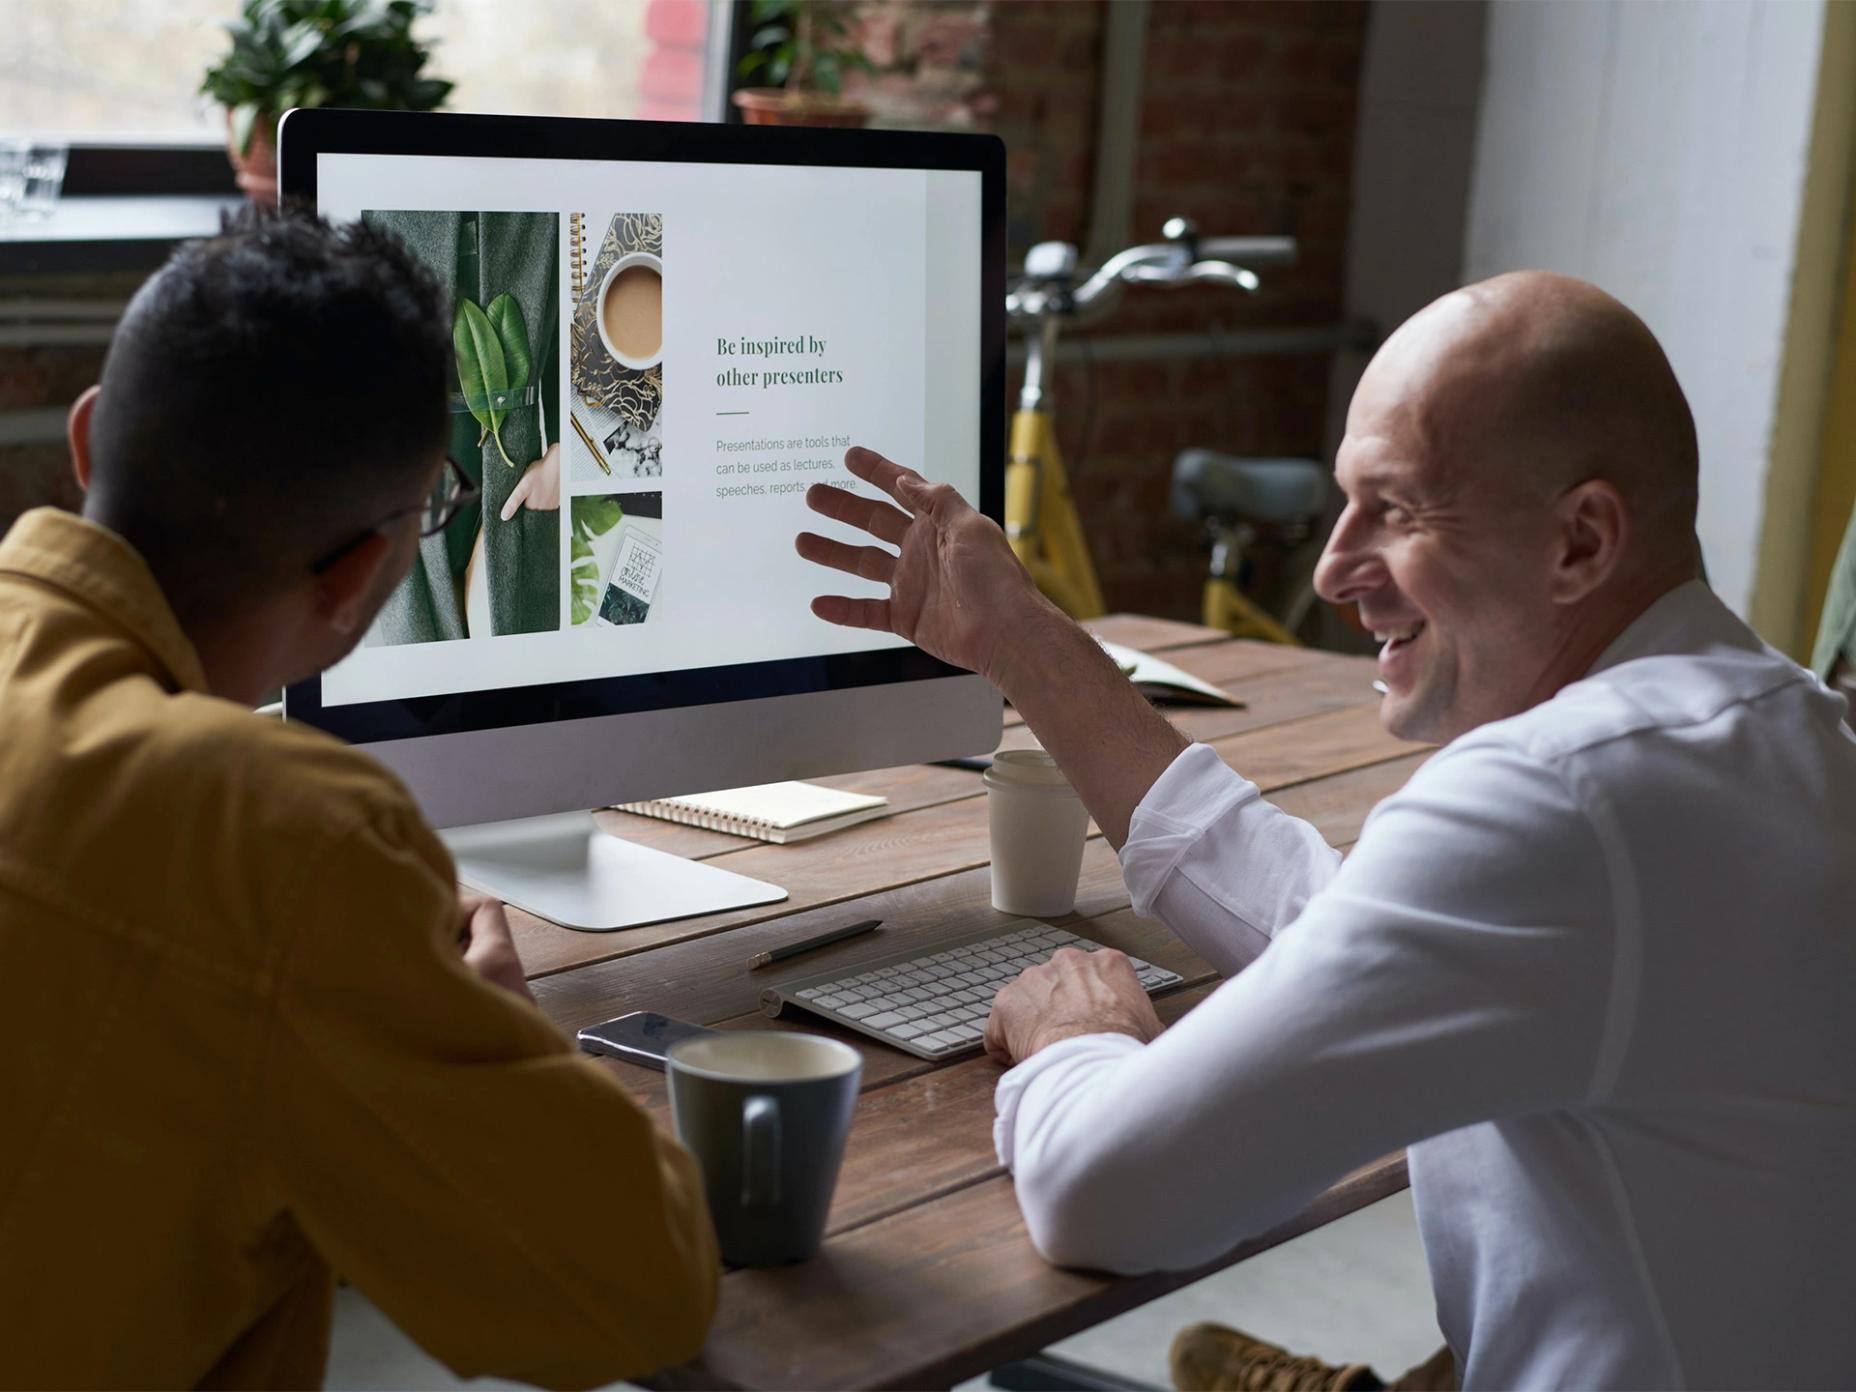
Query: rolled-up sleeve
[(1216, 863)]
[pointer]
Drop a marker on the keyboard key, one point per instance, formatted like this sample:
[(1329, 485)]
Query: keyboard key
[(857, 1011), (887, 1020), (812, 993), (907, 1031)]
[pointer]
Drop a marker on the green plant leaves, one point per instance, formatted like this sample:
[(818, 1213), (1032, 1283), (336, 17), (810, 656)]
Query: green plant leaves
[(593, 516), (494, 362), (482, 374), (801, 45), (360, 53), (505, 317)]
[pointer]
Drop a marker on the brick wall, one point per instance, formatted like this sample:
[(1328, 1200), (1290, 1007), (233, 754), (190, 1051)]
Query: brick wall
[(46, 377), (1247, 119), (1246, 125)]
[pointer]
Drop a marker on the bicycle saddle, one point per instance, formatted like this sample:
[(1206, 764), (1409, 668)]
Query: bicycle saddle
[(1275, 492)]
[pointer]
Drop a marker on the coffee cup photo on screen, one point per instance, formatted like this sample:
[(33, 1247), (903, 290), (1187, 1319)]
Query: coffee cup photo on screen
[(615, 346), (496, 567), (618, 549)]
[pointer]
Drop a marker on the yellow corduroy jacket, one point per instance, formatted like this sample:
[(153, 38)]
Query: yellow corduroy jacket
[(241, 1052)]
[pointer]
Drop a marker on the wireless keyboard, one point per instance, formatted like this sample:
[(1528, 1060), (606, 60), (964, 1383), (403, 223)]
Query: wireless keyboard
[(933, 1001)]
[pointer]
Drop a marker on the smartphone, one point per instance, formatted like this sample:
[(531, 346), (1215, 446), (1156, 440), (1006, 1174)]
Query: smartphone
[(640, 1037)]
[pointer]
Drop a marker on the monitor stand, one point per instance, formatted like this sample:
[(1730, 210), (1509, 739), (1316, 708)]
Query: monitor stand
[(566, 870)]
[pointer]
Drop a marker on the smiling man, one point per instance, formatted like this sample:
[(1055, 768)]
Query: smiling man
[(1592, 965)]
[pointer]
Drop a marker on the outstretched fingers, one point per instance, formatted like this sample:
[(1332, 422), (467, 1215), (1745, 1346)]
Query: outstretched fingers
[(904, 485), (873, 515), (853, 613), (867, 562)]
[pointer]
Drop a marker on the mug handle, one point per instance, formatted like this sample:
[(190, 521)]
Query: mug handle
[(760, 1152)]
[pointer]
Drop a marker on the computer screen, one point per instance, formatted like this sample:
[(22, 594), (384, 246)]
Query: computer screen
[(663, 336), (671, 353)]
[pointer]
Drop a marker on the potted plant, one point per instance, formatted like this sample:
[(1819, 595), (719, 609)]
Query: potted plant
[(802, 50), (289, 53)]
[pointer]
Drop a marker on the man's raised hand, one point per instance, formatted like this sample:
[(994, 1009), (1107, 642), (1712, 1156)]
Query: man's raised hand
[(955, 588)]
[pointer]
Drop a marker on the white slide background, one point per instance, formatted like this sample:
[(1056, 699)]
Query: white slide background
[(884, 265)]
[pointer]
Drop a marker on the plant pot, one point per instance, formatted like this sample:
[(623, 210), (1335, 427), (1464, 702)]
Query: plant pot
[(257, 171), (775, 106)]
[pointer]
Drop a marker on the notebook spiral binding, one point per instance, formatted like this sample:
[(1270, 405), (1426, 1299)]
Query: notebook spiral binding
[(576, 254)]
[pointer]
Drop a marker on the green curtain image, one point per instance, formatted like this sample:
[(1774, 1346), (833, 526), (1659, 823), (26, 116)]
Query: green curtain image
[(481, 256)]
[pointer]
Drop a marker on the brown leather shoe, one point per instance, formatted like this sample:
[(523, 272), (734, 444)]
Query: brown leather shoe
[(1212, 1358)]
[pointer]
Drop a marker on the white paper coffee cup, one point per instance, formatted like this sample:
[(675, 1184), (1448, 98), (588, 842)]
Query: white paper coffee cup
[(1038, 827)]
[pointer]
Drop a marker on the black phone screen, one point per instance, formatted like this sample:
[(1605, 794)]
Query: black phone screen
[(640, 1037)]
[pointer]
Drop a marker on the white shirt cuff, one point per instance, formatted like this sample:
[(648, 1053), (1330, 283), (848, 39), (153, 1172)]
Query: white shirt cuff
[(1196, 790)]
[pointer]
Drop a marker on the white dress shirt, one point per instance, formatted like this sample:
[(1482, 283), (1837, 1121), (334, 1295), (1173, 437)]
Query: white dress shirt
[(1595, 965)]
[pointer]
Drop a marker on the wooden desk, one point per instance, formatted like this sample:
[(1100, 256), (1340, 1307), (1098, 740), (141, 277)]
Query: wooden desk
[(927, 1277)]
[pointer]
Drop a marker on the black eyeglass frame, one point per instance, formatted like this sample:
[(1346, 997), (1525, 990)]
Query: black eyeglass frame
[(463, 493)]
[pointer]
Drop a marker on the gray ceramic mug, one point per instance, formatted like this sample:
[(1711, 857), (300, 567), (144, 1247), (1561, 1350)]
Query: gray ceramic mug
[(765, 1112)]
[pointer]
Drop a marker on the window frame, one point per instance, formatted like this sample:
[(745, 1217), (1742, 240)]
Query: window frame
[(116, 168)]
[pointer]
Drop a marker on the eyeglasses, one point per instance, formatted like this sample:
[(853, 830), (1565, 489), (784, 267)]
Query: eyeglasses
[(454, 493)]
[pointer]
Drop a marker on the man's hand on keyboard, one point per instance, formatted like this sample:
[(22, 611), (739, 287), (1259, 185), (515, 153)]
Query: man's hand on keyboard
[(1073, 993)]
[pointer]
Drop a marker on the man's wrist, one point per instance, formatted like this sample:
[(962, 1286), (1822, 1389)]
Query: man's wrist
[(1056, 1033), (1024, 657)]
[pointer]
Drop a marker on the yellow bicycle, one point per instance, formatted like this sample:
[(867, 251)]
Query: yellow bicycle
[(1040, 514)]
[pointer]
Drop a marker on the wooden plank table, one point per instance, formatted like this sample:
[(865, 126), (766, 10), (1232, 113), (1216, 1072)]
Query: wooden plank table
[(927, 1277)]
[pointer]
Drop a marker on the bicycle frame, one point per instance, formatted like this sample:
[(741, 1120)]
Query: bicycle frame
[(1040, 514)]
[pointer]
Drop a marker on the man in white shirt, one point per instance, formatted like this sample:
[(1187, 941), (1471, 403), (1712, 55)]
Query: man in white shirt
[(1593, 966)]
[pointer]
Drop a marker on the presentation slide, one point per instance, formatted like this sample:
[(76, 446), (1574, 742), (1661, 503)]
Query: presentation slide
[(653, 362)]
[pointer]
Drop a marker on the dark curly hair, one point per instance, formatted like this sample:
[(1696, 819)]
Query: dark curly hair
[(270, 392)]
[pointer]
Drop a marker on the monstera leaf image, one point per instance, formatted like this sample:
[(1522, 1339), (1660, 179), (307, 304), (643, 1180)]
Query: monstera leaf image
[(593, 517), (493, 362)]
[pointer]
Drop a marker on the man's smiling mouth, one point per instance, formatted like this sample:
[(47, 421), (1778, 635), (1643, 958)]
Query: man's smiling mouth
[(1395, 638)]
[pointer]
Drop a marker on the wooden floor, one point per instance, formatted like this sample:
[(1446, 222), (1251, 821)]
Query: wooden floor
[(927, 1277)]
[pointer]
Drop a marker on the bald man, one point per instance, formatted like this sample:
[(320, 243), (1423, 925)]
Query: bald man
[(1593, 965)]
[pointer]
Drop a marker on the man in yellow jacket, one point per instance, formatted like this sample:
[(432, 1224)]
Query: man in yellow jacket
[(254, 1039)]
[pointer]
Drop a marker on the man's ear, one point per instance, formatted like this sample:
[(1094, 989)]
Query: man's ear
[(77, 432), (345, 589), (1594, 529)]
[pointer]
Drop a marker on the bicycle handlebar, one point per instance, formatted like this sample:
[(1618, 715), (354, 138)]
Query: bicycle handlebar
[(1183, 258)]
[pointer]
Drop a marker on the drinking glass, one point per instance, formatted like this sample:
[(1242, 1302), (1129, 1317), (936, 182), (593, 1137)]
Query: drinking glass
[(12, 178), (44, 178)]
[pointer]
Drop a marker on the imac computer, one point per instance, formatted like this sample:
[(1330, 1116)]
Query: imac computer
[(663, 335)]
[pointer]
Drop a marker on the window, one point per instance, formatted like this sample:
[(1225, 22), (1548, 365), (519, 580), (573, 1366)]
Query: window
[(130, 69)]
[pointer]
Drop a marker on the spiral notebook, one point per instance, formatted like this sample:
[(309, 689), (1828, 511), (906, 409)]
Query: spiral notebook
[(779, 812)]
